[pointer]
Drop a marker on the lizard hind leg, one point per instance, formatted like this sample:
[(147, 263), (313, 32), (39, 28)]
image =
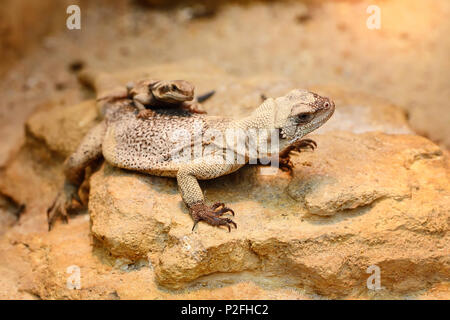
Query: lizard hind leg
[(87, 153)]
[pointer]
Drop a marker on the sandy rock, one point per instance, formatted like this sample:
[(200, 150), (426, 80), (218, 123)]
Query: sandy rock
[(292, 236), (12, 140), (345, 180), (45, 264), (361, 194), (8, 213), (48, 124), (354, 202), (360, 112), (374, 219)]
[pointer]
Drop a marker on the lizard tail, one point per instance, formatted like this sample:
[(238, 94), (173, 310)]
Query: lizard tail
[(205, 96)]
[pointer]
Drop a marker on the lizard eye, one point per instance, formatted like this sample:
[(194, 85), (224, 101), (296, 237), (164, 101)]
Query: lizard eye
[(326, 104), (173, 87), (304, 117)]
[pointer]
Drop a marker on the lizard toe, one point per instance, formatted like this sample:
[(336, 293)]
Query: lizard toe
[(67, 199), (217, 205), (212, 216), (58, 209), (224, 210), (305, 143), (145, 114), (286, 164)]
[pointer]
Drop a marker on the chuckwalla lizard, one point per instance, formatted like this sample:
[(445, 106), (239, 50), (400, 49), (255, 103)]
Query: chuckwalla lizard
[(147, 145)]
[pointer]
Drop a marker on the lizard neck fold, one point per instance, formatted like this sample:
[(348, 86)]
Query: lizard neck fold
[(261, 118), (259, 129)]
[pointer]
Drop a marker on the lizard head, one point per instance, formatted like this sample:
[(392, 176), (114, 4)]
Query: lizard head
[(168, 91), (300, 112), (173, 91)]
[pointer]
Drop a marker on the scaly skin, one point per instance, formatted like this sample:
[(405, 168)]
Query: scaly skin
[(148, 146)]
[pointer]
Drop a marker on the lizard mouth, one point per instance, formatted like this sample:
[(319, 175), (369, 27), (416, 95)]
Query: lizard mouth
[(179, 96)]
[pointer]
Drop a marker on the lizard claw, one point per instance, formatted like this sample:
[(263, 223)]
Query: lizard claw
[(303, 144), (222, 209), (212, 215), (61, 204), (286, 164), (285, 161), (57, 208)]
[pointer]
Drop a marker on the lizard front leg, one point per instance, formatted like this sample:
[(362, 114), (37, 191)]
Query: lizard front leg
[(285, 160), (193, 106), (89, 150), (141, 111), (192, 195)]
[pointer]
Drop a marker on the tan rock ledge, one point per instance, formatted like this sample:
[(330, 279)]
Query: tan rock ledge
[(358, 200)]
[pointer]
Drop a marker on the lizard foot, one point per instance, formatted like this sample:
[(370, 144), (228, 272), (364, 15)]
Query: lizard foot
[(211, 215), (193, 107), (145, 114), (304, 144), (286, 164), (61, 204), (285, 160)]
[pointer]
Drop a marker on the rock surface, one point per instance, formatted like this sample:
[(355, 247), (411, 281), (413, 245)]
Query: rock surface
[(372, 193), (361, 198), (397, 220)]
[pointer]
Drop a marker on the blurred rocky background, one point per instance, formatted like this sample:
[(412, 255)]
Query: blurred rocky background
[(375, 192)]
